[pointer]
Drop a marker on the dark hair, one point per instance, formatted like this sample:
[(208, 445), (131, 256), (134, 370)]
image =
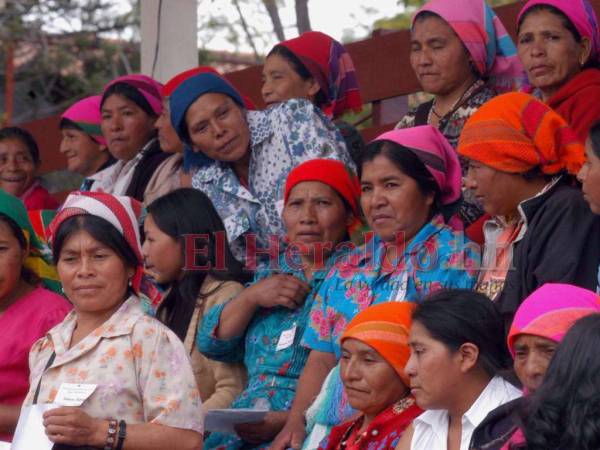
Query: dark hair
[(566, 22), (320, 99), (564, 413), (406, 161), (101, 230), (27, 275), (184, 212), (457, 316), (130, 93), (595, 137), (25, 137)]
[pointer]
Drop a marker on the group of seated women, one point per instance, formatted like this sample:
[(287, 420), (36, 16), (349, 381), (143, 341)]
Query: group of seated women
[(436, 288)]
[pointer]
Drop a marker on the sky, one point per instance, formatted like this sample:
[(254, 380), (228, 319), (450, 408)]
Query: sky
[(342, 19)]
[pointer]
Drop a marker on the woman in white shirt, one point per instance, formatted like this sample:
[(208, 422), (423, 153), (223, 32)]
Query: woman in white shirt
[(457, 350)]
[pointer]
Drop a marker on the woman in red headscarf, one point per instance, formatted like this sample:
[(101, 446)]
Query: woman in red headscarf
[(318, 68)]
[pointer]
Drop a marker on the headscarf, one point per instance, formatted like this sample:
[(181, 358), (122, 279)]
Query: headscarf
[(190, 90), (581, 14), (433, 150), (550, 311), (121, 212), (331, 66), (148, 87), (86, 115), (193, 159), (333, 173), (516, 132), (485, 37), (39, 259), (385, 327)]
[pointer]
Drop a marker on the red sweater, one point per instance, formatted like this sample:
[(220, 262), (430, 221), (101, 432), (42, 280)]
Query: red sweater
[(578, 101)]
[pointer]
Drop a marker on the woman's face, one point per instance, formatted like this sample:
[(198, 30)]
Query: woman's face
[(163, 257), (167, 136), (371, 383), (12, 257), (315, 215), (84, 155), (93, 276), (532, 357), (589, 176), (217, 127), (499, 192), (392, 201), (435, 372), (17, 167), (281, 82), (438, 57), (549, 52), (126, 127)]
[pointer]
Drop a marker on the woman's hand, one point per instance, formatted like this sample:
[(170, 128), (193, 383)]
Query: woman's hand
[(278, 290), (292, 435), (72, 426), (265, 431)]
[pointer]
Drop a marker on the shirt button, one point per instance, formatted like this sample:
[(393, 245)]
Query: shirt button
[(374, 433)]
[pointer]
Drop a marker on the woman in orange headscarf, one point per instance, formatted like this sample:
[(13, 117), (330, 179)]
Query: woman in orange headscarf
[(374, 353), (522, 159)]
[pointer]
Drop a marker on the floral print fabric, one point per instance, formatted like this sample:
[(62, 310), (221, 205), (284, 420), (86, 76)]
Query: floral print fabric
[(281, 138), (140, 367), (436, 258)]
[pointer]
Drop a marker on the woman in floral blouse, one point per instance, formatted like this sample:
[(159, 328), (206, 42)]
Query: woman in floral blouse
[(265, 323), (248, 155), (138, 369), (411, 191)]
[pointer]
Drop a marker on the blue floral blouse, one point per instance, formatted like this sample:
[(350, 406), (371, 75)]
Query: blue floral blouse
[(281, 138), (437, 257)]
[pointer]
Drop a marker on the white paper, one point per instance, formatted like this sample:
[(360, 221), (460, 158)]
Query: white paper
[(72, 394), (30, 433), (4, 445), (286, 338), (223, 420)]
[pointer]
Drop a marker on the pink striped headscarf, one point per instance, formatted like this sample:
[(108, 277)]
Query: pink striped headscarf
[(86, 115), (550, 311), (485, 37), (581, 14), (434, 151)]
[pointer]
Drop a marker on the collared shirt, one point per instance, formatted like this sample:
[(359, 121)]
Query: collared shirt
[(140, 368), (281, 138), (437, 257), (431, 427)]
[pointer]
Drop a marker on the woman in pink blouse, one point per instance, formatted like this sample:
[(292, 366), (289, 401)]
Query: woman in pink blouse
[(27, 309), (143, 390)]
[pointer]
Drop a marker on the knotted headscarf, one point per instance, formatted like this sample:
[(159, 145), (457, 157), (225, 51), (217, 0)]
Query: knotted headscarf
[(86, 115), (516, 133)]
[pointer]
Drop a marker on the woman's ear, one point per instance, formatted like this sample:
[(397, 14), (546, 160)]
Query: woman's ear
[(585, 50), (313, 87), (469, 355)]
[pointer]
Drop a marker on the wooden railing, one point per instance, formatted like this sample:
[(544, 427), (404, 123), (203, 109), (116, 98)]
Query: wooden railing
[(383, 72)]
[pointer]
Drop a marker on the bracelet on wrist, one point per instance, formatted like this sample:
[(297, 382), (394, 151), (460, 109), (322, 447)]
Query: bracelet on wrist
[(122, 435), (112, 433)]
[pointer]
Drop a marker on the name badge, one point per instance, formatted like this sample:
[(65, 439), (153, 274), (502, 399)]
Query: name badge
[(71, 394), (286, 339)]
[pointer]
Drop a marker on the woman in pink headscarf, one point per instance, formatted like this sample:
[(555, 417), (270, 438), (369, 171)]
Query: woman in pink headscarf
[(82, 142), (559, 45), (130, 106), (539, 325), (463, 56)]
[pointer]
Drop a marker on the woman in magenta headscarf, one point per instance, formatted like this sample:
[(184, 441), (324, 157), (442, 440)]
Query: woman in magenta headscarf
[(563, 70), (463, 56), (539, 325)]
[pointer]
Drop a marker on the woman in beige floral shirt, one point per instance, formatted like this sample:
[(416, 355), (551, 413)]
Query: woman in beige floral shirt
[(141, 372)]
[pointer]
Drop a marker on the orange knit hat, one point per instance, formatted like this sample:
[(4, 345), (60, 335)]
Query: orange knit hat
[(385, 327), (516, 132)]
